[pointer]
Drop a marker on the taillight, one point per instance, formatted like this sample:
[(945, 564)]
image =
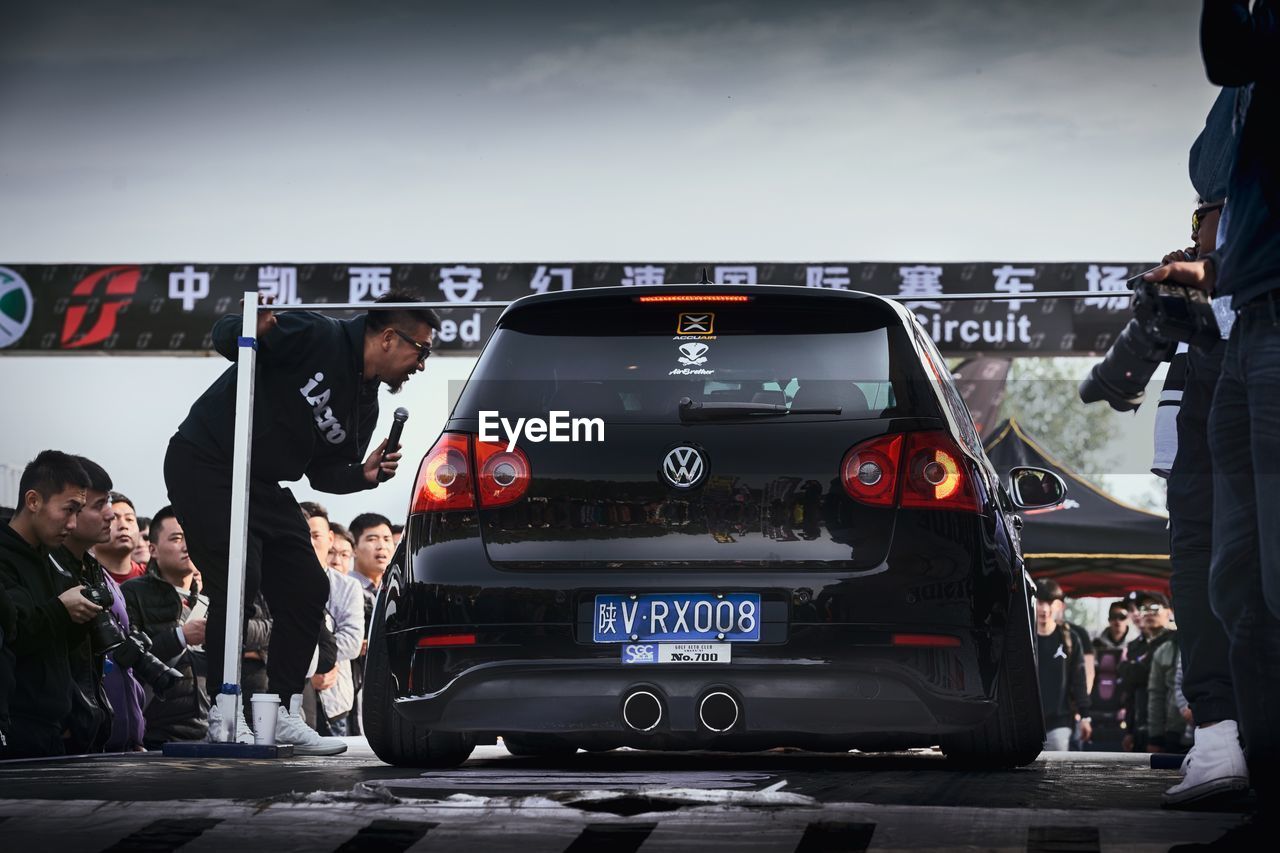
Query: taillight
[(444, 478), (503, 474), (926, 641), (936, 474), (441, 640), (931, 468), (870, 470), (692, 297)]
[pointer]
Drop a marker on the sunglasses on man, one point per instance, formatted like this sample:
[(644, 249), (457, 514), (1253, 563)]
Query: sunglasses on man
[(1151, 608), (1198, 215), (424, 350)]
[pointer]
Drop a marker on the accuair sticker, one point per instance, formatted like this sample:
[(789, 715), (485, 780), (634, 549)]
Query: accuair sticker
[(698, 326)]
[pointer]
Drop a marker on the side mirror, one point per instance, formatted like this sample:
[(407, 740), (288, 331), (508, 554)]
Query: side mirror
[(1036, 488)]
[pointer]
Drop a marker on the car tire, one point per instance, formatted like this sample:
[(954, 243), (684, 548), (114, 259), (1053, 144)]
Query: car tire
[(1014, 735), (538, 746), (393, 738)]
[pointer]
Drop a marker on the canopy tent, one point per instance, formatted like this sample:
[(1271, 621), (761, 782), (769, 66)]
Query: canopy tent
[(1091, 544)]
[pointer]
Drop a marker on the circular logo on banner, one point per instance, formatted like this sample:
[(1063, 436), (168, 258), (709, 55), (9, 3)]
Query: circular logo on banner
[(16, 306)]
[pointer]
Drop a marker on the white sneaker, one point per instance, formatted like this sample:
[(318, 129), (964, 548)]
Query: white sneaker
[(216, 735), (292, 728), (1215, 765)]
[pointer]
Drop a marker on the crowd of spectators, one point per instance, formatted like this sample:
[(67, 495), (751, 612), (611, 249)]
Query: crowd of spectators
[(63, 693), (1114, 687)]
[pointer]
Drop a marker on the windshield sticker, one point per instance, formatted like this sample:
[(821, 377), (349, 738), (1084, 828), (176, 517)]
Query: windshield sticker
[(692, 355), (695, 326)]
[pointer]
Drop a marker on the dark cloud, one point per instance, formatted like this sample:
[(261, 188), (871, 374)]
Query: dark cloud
[(243, 129), (144, 31)]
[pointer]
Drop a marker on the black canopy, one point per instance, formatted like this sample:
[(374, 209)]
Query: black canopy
[(1092, 544)]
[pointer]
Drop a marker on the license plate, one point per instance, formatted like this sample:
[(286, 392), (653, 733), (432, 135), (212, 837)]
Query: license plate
[(677, 653), (674, 617)]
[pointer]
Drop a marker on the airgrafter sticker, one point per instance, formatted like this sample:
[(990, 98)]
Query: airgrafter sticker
[(692, 355)]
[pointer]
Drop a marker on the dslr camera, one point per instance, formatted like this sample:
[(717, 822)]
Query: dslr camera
[(131, 649), (1164, 315)]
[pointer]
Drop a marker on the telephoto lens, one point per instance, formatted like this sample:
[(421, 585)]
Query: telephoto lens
[(1121, 377), (134, 652)]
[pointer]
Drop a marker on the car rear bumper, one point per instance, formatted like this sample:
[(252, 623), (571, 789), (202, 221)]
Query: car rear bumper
[(579, 697)]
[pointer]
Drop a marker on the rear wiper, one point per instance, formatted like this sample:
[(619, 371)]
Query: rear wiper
[(691, 410)]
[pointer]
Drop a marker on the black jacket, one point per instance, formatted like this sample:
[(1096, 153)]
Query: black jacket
[(1135, 673), (1242, 49), (156, 608), (313, 411), (89, 724), (1062, 677), (41, 697), (8, 625)]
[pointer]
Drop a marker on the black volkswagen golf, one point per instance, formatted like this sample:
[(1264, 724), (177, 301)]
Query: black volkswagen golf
[(708, 517)]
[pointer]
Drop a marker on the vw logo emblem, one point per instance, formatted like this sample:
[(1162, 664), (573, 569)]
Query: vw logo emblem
[(684, 467)]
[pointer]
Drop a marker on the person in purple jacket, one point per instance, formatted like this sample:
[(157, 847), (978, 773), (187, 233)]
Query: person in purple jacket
[(123, 690)]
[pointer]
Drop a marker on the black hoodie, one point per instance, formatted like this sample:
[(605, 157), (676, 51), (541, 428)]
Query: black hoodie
[(313, 410), (157, 608), (41, 697), (8, 625)]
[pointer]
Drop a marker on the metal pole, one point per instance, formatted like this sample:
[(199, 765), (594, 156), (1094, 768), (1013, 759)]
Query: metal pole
[(1031, 296), (241, 459), (379, 306), (1020, 297)]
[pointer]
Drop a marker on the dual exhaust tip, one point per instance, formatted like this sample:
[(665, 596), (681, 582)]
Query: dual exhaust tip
[(643, 711)]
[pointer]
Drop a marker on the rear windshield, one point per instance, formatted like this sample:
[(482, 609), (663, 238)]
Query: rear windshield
[(633, 362)]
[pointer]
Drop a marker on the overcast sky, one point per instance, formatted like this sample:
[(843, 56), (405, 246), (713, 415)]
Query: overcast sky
[(325, 131)]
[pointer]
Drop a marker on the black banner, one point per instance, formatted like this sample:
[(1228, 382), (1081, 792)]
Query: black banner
[(170, 308)]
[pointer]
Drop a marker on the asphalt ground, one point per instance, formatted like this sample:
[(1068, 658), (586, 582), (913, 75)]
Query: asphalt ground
[(781, 800)]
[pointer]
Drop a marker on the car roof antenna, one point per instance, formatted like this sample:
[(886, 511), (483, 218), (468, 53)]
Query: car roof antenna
[(704, 279)]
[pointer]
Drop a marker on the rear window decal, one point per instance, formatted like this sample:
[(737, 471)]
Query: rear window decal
[(692, 356), (699, 324)]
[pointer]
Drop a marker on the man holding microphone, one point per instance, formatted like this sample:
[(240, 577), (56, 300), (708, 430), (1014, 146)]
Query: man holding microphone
[(316, 390)]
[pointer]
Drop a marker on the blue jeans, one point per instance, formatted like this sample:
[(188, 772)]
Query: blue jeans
[(1057, 740), (1244, 576), (1206, 679)]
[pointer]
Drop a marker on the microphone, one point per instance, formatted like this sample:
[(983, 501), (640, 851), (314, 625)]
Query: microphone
[(393, 438)]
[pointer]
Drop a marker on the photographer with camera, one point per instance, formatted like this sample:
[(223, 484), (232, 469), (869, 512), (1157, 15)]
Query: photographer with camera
[(1241, 48), (161, 604), (89, 725), (1185, 317), (47, 616), (1216, 764), (110, 660)]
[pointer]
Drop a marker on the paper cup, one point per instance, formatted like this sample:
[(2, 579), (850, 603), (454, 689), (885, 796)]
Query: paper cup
[(265, 709)]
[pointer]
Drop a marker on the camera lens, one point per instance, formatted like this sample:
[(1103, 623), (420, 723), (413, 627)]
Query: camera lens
[(147, 668), (1121, 377)]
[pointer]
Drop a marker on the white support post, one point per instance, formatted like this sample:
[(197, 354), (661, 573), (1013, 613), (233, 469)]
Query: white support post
[(241, 459)]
